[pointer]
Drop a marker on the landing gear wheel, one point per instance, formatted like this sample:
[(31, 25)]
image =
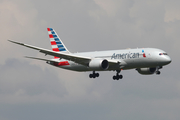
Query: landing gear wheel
[(93, 75), (90, 75), (97, 74), (120, 76), (114, 77), (117, 77), (158, 72)]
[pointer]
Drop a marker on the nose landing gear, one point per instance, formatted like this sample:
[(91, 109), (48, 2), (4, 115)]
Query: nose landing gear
[(157, 71)]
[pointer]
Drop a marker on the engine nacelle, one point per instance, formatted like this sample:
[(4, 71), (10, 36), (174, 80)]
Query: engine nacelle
[(146, 71), (99, 64)]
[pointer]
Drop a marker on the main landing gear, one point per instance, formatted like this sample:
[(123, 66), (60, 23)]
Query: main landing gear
[(117, 76), (94, 75)]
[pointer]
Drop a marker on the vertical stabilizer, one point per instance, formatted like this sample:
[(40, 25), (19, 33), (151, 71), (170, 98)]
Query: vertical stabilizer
[(56, 42)]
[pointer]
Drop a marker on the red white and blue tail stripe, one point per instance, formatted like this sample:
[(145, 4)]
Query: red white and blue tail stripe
[(56, 43)]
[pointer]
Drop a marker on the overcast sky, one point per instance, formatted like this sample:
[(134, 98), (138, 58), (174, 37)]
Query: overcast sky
[(33, 90)]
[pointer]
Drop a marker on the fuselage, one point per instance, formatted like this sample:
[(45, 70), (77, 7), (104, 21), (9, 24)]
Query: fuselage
[(128, 59)]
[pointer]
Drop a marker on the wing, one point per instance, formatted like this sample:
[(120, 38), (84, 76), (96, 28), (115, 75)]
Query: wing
[(75, 58)]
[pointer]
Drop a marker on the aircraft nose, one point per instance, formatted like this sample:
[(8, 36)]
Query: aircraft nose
[(168, 60)]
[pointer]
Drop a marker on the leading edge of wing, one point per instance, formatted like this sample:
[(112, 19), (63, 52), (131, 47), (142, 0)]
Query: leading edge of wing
[(75, 58)]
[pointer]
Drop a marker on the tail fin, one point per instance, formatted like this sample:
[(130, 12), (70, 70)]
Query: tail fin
[(56, 42)]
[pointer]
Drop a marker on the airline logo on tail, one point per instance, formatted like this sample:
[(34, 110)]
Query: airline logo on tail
[(56, 42)]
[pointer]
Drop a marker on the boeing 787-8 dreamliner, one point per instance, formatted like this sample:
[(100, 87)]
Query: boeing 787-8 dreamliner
[(145, 60)]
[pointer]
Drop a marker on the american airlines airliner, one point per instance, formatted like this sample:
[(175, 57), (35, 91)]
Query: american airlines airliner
[(146, 61)]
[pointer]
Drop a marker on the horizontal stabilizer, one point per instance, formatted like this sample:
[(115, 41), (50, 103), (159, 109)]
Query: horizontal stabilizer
[(41, 59)]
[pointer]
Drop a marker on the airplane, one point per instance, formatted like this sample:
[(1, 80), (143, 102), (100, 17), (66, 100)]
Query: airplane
[(146, 61)]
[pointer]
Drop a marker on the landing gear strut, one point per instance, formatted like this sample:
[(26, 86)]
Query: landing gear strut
[(94, 75), (117, 76)]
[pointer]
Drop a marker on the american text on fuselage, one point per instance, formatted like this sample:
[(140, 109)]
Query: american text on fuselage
[(125, 56)]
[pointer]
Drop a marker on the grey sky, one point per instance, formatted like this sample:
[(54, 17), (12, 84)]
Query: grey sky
[(31, 89)]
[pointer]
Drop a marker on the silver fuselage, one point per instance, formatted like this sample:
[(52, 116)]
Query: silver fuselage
[(128, 58)]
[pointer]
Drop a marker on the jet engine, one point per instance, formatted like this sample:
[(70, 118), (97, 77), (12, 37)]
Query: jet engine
[(99, 64), (146, 71)]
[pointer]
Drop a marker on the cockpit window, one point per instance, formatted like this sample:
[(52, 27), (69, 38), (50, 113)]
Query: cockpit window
[(163, 54)]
